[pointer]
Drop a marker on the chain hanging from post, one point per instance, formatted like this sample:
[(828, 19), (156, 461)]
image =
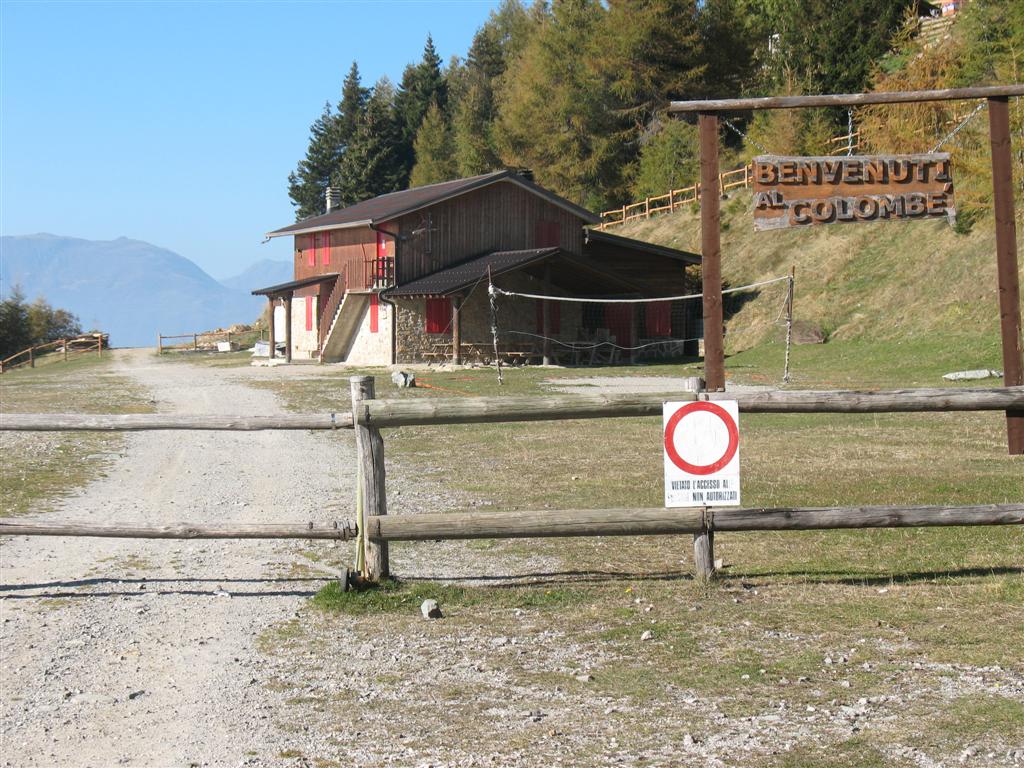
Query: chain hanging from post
[(745, 137), (849, 132), (952, 134), (789, 323), (493, 295)]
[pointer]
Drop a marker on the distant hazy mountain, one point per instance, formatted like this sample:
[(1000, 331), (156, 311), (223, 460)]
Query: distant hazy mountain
[(128, 288), (262, 274)]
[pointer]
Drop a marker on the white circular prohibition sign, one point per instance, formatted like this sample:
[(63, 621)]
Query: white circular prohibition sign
[(723, 460)]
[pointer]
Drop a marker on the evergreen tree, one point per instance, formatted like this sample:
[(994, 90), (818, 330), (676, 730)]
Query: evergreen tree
[(351, 107), (307, 184), (372, 164), (653, 54), (558, 115), (422, 84), (15, 332), (435, 152), (670, 159)]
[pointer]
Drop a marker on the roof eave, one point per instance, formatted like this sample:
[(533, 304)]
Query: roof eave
[(286, 232)]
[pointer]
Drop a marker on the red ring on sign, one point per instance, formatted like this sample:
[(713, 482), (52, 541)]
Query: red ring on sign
[(701, 469)]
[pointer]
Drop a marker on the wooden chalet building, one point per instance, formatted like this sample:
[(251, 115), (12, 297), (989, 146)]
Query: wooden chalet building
[(402, 278)]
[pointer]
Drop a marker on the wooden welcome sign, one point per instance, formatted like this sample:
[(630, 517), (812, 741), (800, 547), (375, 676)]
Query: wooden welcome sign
[(805, 191)]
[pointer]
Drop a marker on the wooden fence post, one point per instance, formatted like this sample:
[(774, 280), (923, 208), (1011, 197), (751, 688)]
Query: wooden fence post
[(1006, 264), (703, 540), (195, 342), (370, 460), (99, 345), (31, 357)]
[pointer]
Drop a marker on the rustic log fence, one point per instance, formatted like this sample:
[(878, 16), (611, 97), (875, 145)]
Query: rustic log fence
[(68, 346), (375, 528), (204, 340)]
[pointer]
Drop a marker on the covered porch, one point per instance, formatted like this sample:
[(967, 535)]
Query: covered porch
[(327, 290), (447, 314)]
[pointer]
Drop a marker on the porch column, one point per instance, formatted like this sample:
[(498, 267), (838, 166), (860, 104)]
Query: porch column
[(457, 330), (273, 351), (546, 317), (288, 328)]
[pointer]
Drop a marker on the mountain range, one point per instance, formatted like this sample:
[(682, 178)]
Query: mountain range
[(131, 289)]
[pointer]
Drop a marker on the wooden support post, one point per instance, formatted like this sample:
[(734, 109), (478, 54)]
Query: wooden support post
[(704, 539), (195, 342), (457, 330), (711, 255), (99, 345), (370, 459), (64, 344), (159, 344), (270, 328), (288, 329), (546, 317), (31, 357), (1006, 263)]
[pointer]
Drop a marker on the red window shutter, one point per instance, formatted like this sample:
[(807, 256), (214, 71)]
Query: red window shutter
[(374, 313), (382, 245), (325, 258), (311, 251), (658, 318), (309, 313), (554, 316), (439, 315), (619, 318)]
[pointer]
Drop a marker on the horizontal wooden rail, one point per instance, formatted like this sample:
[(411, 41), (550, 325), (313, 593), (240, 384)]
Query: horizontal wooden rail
[(342, 531), (846, 99), (469, 410), (549, 523), (643, 522), (478, 410), (138, 422)]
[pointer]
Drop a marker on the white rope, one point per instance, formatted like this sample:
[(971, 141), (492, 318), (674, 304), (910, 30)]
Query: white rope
[(582, 300), (577, 346)]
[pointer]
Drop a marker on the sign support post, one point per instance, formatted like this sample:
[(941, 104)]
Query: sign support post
[(711, 253), (1006, 263)]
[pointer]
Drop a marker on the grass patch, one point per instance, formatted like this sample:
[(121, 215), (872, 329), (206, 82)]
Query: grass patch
[(40, 468), (396, 596)]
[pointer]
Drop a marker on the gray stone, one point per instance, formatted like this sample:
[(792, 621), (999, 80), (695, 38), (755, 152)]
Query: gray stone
[(647, 635), (403, 379), (431, 610)]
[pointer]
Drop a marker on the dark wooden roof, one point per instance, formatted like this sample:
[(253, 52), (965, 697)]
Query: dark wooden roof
[(286, 288), (385, 207), (471, 271), (600, 236)]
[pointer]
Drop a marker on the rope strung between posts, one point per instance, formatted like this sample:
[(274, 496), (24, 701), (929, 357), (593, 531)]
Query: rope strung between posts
[(493, 298), (584, 300), (596, 345), (952, 134), (744, 136)]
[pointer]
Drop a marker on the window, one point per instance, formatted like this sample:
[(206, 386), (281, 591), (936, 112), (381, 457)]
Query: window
[(439, 315), (554, 316), (374, 313), (309, 313), (325, 249), (658, 318)]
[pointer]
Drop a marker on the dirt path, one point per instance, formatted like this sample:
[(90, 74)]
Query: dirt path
[(122, 652)]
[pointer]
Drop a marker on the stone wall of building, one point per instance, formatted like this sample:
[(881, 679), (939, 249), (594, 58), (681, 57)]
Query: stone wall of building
[(372, 347), (517, 322)]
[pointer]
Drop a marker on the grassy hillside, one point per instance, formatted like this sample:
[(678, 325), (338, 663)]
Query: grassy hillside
[(916, 283)]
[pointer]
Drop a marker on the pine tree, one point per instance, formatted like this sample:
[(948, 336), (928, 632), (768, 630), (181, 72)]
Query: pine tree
[(352, 105), (422, 84), (308, 183), (372, 163), (557, 114), (435, 151), (15, 331)]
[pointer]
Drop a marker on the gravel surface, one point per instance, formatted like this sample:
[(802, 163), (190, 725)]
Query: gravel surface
[(142, 653), (624, 385)]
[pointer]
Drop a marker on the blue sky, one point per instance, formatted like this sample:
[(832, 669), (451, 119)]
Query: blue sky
[(178, 122)]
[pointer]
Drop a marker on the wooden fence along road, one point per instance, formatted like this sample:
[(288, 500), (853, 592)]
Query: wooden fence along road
[(368, 416), (90, 343)]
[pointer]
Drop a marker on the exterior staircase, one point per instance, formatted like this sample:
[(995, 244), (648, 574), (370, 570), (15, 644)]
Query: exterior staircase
[(344, 325)]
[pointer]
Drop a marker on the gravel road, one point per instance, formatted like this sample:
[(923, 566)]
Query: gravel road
[(125, 652)]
